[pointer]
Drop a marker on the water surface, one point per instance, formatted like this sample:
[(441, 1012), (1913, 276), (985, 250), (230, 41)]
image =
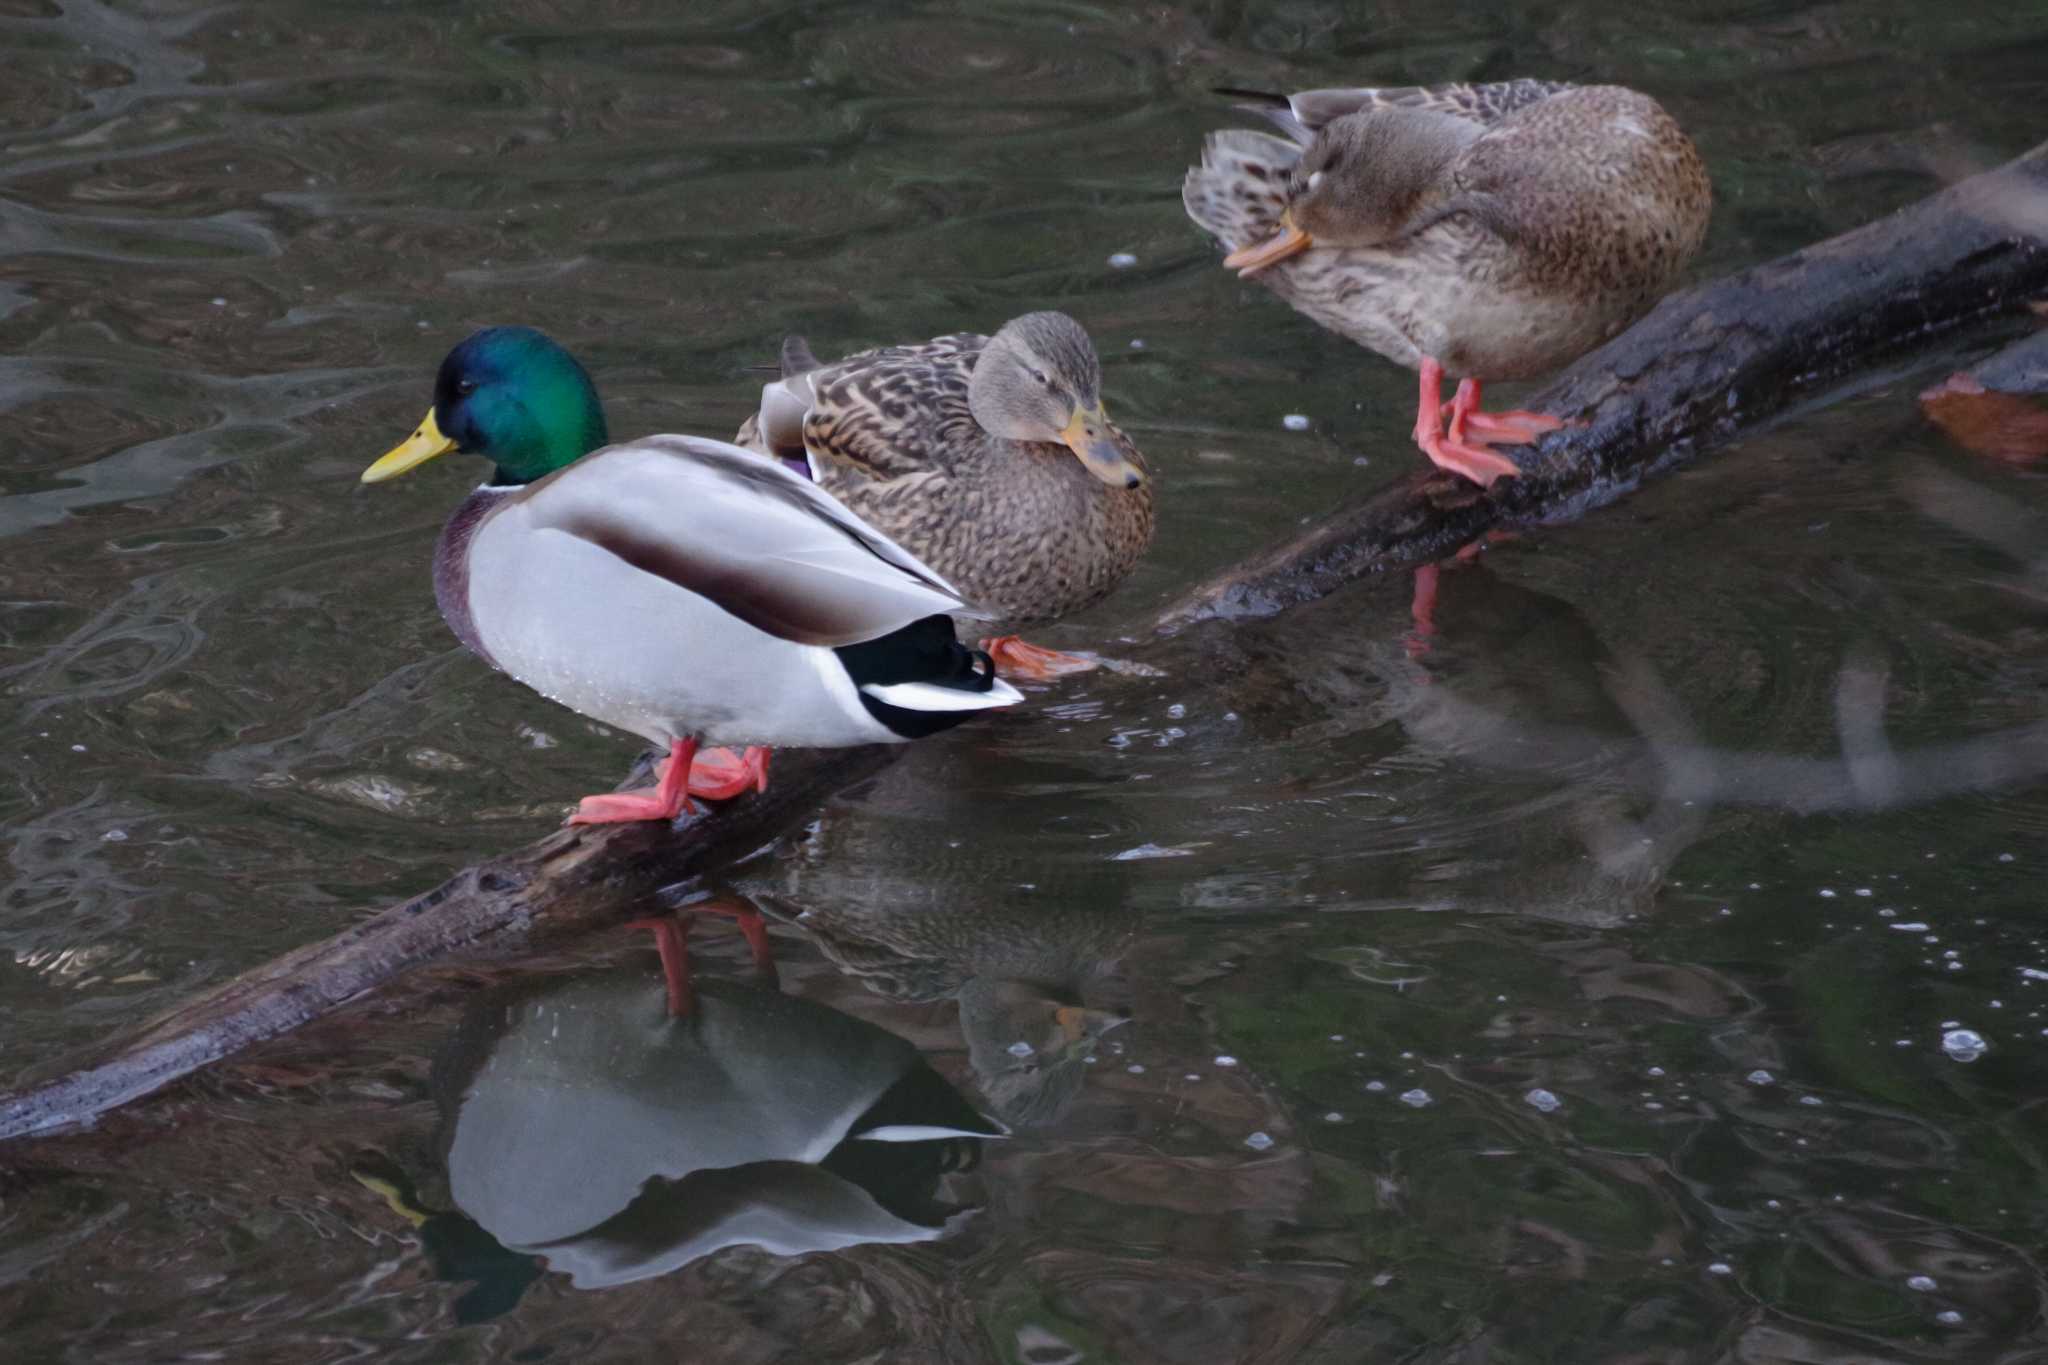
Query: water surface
[(1546, 989)]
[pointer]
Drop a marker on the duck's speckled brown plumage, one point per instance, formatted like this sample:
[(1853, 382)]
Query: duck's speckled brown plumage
[(1597, 200), (1019, 527)]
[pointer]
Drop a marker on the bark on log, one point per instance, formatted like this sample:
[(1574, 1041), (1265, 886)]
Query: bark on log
[(1705, 367)]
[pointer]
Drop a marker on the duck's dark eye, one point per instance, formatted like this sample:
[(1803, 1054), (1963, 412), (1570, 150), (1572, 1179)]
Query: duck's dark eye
[(465, 387)]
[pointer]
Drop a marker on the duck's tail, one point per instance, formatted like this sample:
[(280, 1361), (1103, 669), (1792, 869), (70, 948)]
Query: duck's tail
[(797, 358), (1239, 191), (777, 426), (1276, 109), (921, 679)]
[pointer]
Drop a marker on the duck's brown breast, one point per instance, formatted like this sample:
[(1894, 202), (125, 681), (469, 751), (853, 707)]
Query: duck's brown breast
[(451, 566)]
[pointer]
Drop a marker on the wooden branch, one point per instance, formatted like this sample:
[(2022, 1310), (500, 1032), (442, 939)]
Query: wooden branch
[(1704, 368)]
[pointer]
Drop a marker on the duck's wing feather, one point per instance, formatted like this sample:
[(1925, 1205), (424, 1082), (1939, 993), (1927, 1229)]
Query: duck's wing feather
[(1300, 115), (888, 413), (766, 545), (1599, 182), (892, 413)]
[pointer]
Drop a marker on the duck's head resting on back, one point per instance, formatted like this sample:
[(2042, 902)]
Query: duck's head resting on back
[(1368, 179), (512, 396), (1038, 380), (1367, 176)]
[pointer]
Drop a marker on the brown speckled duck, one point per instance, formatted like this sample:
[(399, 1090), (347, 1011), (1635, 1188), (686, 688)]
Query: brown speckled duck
[(1493, 231), (989, 457)]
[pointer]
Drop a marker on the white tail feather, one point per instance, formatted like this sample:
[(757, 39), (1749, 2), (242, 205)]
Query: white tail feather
[(923, 1132), (918, 696)]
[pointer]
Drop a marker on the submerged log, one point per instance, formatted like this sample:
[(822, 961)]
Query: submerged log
[(1705, 367)]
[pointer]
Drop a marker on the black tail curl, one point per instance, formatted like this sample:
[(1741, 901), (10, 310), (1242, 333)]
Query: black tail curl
[(925, 651)]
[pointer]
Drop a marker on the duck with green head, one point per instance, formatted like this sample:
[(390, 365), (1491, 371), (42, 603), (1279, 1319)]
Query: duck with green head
[(677, 587)]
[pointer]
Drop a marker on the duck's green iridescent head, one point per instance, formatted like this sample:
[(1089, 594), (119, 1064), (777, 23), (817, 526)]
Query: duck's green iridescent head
[(512, 396)]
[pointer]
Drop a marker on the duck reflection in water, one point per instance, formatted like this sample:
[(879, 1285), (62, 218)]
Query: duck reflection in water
[(1563, 704), (1583, 800), (620, 1127), (1021, 974)]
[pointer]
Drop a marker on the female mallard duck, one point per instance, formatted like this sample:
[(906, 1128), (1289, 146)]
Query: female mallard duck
[(989, 458), (1495, 231), (677, 587)]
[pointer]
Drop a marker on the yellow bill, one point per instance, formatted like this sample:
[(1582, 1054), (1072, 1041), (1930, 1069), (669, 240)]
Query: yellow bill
[(1289, 241), (1088, 437), (414, 451), (392, 1195)]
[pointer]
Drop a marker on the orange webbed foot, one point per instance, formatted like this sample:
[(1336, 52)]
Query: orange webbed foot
[(619, 808), (1458, 436), (714, 774), (1449, 449), (1016, 659), (721, 774), (1516, 426), (1476, 463), (665, 800)]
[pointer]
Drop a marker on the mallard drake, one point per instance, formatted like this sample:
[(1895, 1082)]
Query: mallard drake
[(1495, 231), (988, 457), (677, 587)]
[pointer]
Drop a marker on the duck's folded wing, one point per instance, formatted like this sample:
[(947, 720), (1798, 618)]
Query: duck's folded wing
[(745, 534), (897, 413), (1483, 104), (1599, 156)]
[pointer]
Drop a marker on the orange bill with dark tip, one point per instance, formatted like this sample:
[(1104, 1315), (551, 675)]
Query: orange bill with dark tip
[(1289, 241), (1088, 436)]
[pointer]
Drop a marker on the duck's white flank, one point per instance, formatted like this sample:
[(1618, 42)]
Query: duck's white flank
[(656, 586)]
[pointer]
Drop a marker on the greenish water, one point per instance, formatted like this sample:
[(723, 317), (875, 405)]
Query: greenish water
[(1542, 855)]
